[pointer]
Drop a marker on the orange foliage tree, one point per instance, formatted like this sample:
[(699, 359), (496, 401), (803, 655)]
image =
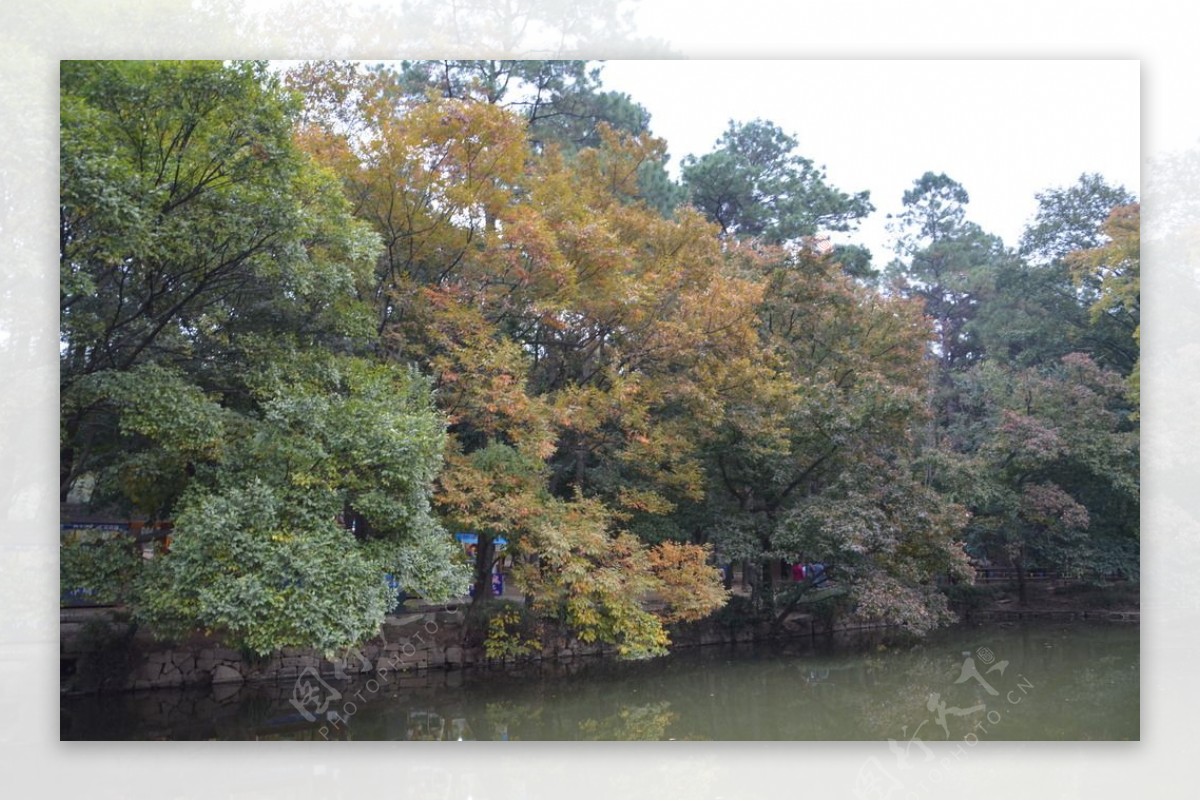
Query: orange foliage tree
[(572, 333)]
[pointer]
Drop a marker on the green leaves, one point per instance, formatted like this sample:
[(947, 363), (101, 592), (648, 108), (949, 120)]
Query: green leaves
[(258, 553), (188, 215), (244, 564), (754, 185), (1052, 460), (217, 367)]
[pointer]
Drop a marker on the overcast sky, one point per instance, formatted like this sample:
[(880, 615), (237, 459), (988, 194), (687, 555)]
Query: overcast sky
[(1005, 130)]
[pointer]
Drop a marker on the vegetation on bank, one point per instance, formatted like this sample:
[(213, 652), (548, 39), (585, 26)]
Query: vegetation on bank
[(319, 321)]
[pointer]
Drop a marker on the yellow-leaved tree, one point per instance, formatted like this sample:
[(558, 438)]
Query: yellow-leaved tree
[(575, 336)]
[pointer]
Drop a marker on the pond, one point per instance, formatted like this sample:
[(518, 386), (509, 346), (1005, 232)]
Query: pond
[(1045, 681)]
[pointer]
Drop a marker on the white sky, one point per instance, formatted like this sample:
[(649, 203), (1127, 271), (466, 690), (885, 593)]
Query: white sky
[(1005, 130)]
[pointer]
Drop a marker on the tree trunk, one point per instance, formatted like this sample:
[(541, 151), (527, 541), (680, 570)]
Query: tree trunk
[(765, 588), (485, 550), (1022, 585)]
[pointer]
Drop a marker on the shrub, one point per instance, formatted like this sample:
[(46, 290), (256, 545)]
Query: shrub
[(510, 630)]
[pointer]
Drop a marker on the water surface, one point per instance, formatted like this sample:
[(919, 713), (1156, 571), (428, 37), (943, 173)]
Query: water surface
[(1068, 681)]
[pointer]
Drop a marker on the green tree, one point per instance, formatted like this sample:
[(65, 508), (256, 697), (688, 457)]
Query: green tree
[(189, 227), (260, 551), (1071, 218), (1053, 473), (1029, 314), (946, 261), (217, 367), (1036, 310), (815, 458), (754, 184)]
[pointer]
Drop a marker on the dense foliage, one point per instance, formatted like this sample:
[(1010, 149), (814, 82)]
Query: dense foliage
[(218, 364), (317, 322)]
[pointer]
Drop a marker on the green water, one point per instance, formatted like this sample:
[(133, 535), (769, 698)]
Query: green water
[(1066, 681)]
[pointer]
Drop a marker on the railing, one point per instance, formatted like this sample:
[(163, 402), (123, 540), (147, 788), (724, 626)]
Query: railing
[(988, 575)]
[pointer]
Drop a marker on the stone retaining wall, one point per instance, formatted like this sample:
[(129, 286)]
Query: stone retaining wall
[(100, 651)]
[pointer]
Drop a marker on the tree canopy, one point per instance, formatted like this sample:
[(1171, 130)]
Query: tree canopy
[(315, 322), (217, 367), (754, 184)]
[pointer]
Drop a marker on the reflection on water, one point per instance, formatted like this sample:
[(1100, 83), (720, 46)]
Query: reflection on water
[(1026, 682)]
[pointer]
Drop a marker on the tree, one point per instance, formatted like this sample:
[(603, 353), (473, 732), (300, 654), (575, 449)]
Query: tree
[(1071, 219), (753, 184), (935, 209), (1036, 311), (947, 262), (564, 322), (1053, 475), (190, 227), (815, 459), (1029, 315), (258, 553), (562, 102), (1029, 434), (216, 362), (1109, 274)]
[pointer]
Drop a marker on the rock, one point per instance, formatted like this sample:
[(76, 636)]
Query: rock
[(171, 677), (454, 655), (455, 618), (149, 671), (223, 674)]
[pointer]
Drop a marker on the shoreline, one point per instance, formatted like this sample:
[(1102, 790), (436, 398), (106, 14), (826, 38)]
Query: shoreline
[(100, 654)]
